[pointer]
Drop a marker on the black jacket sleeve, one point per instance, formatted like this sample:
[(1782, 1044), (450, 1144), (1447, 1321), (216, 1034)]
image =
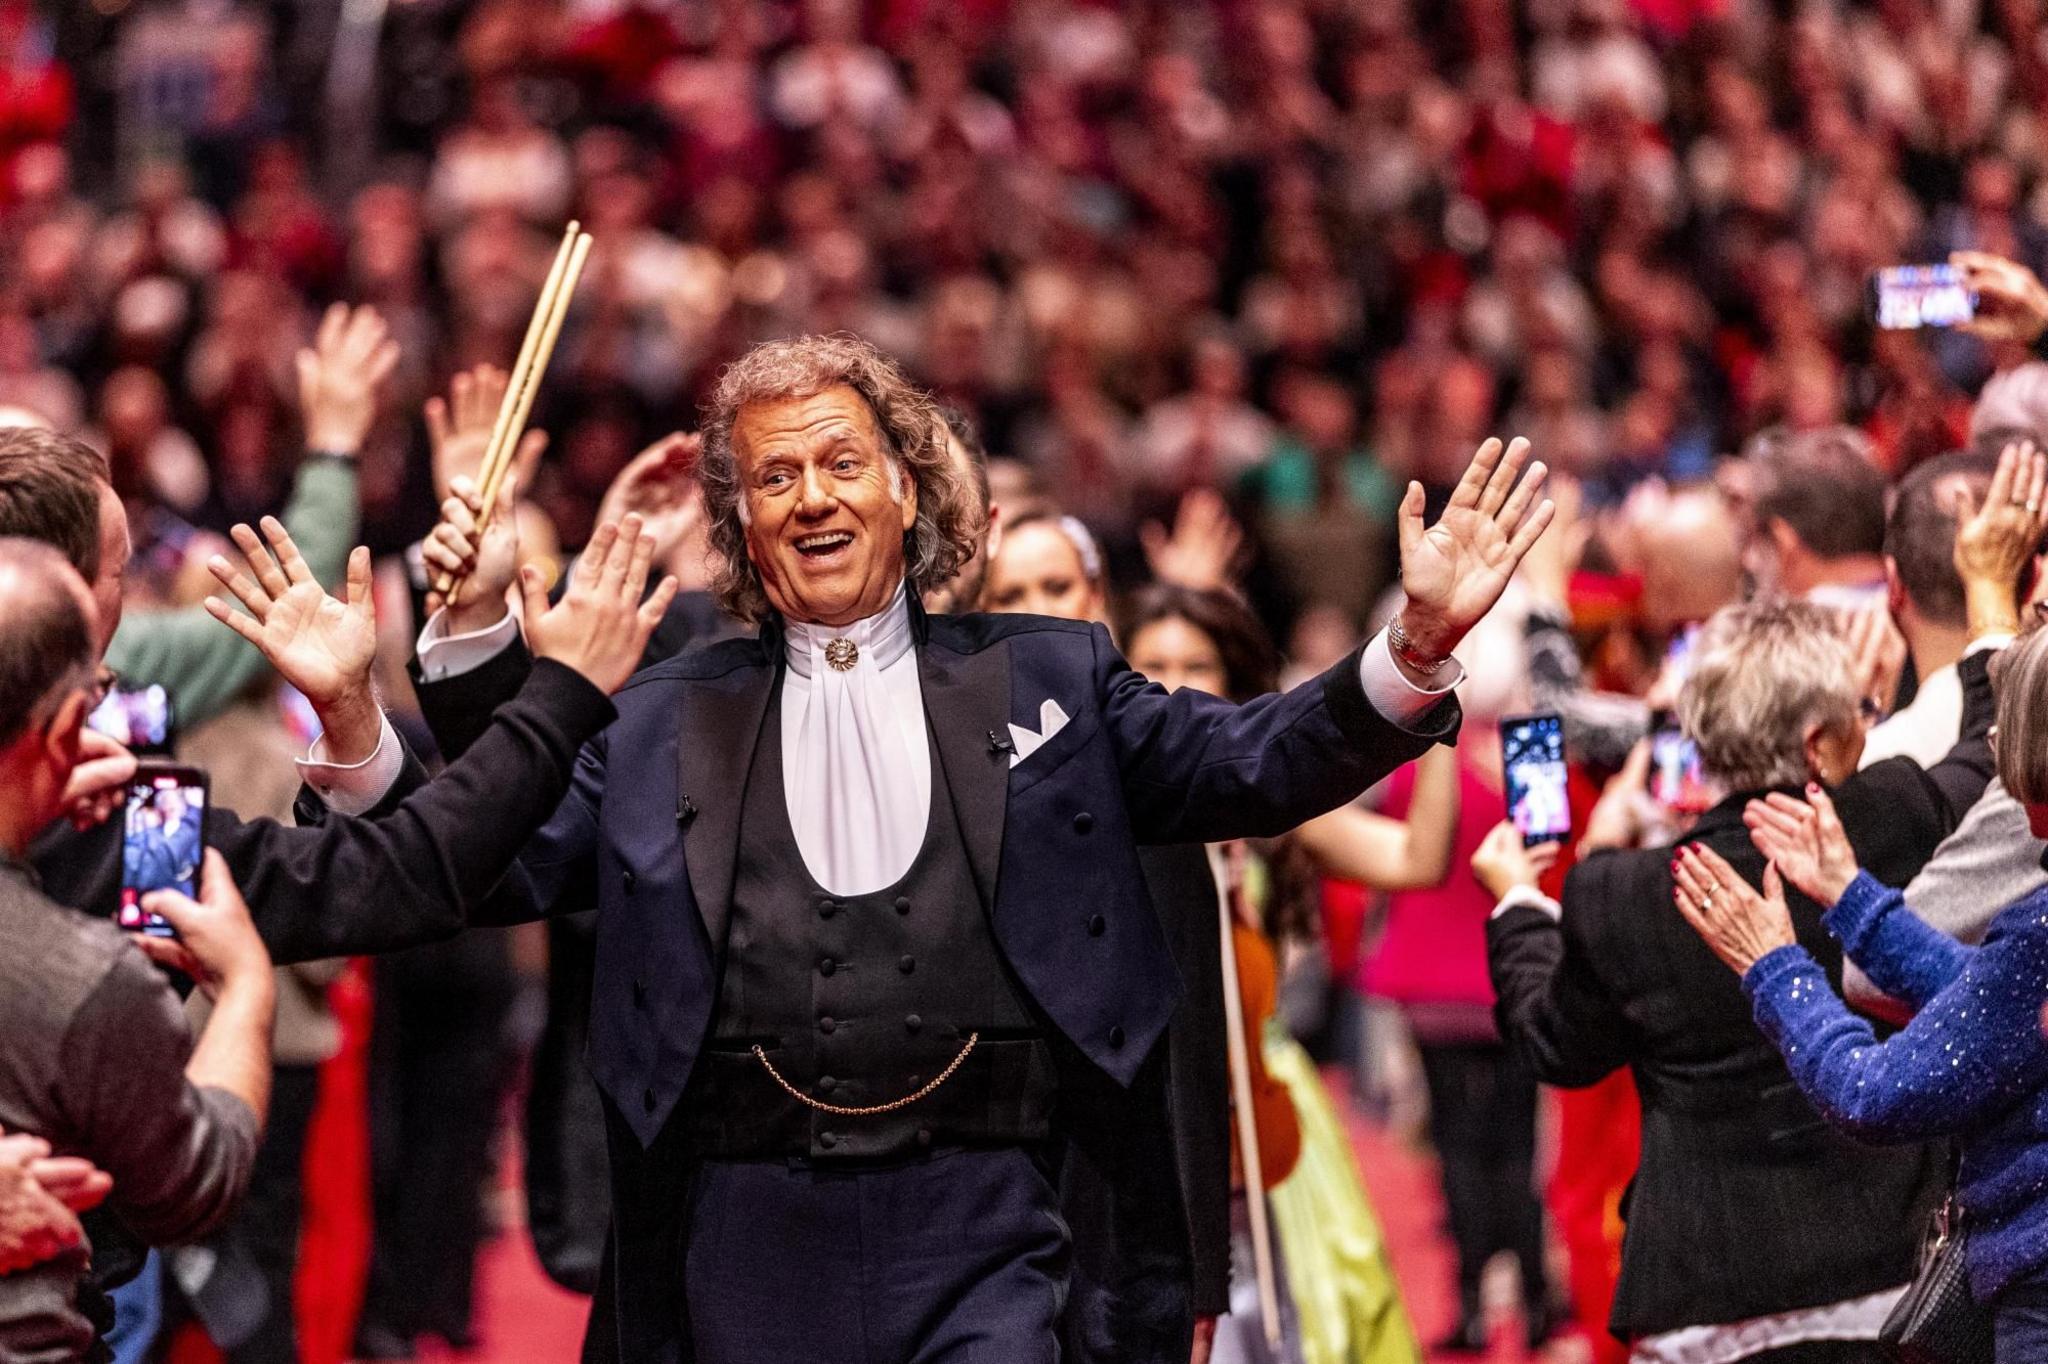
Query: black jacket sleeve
[(1549, 1003), (458, 709), (378, 883)]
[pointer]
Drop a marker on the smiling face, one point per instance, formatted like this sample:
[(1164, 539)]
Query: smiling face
[(818, 494)]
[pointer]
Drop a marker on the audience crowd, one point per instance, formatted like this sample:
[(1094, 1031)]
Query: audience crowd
[(1200, 289)]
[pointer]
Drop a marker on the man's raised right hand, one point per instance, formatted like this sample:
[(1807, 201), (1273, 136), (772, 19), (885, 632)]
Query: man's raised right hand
[(600, 626)]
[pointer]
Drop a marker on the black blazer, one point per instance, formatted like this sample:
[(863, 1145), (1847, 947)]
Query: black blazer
[(1745, 1203)]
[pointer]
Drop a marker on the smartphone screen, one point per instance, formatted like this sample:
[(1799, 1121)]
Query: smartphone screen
[(141, 718), (1675, 777), (162, 841), (1532, 754), (1906, 296)]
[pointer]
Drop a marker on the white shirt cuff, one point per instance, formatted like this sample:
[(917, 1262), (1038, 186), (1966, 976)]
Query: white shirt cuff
[(1389, 689), (354, 788), (443, 655), (1527, 897)]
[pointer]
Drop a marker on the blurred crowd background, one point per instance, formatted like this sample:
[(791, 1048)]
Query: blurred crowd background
[(1296, 250), (1288, 254)]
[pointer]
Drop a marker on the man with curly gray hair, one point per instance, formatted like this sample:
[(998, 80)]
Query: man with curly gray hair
[(876, 962)]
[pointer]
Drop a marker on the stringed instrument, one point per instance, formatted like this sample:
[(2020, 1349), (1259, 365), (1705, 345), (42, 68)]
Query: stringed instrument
[(1279, 1130)]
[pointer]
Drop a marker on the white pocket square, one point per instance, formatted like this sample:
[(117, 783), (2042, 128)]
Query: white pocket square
[(1051, 720)]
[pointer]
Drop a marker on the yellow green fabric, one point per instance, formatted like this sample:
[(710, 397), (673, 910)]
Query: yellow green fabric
[(1345, 1298)]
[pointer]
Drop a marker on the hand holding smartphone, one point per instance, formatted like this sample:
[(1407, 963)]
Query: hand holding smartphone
[(1538, 789), (1903, 297), (163, 841), (139, 719)]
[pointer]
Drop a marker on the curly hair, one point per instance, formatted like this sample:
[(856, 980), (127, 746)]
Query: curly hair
[(913, 439)]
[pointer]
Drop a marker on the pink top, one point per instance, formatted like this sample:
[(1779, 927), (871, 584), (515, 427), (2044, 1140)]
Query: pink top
[(1433, 949)]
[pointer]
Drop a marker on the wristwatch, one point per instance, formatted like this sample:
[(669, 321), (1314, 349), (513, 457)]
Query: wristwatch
[(1405, 650)]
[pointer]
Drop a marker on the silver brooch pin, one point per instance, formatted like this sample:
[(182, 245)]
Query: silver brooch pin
[(842, 654)]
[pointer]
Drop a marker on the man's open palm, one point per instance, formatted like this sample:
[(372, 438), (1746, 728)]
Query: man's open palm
[(321, 644), (1454, 571)]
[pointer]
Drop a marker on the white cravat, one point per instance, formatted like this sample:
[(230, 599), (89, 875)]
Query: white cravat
[(856, 761)]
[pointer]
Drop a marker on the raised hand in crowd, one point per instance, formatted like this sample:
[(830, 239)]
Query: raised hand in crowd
[(1501, 863), (1548, 567), (482, 562), (35, 1225), (601, 625), (1454, 571), (459, 427), (1806, 841), (99, 783), (321, 644), (340, 375), (1996, 541), (2011, 304), (660, 484), (1739, 924), (1202, 550)]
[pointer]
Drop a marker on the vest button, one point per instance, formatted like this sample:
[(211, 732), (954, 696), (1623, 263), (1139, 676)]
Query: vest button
[(826, 1025), (828, 1140), (627, 880), (916, 1082), (825, 1084), (827, 967), (647, 1100), (903, 904), (907, 965), (1097, 925), (913, 1023), (826, 909), (1116, 1037), (924, 1136), (1083, 822)]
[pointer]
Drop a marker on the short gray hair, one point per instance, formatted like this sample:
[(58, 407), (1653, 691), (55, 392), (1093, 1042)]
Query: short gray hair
[(2015, 401), (2020, 677), (913, 439), (1763, 673)]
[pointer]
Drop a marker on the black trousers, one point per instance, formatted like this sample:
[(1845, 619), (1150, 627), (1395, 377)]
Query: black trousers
[(268, 1223), (1482, 1119), (440, 1061), (958, 1259)]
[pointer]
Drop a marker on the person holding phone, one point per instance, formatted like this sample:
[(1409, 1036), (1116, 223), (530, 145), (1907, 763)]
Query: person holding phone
[(1753, 1229), (95, 1055)]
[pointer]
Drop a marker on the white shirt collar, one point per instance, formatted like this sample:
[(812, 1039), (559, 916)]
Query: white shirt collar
[(879, 640)]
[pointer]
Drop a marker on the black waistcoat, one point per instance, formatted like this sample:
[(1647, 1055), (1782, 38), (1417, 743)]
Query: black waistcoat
[(861, 1000)]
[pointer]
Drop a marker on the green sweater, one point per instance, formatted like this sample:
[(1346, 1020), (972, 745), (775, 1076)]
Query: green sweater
[(200, 662)]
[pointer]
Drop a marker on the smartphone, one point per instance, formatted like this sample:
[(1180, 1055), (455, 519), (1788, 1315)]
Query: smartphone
[(1902, 297), (139, 718), (163, 841), (1678, 657), (1676, 781), (1532, 754)]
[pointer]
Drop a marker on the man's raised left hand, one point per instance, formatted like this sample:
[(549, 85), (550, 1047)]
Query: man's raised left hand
[(1455, 570), (320, 644)]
